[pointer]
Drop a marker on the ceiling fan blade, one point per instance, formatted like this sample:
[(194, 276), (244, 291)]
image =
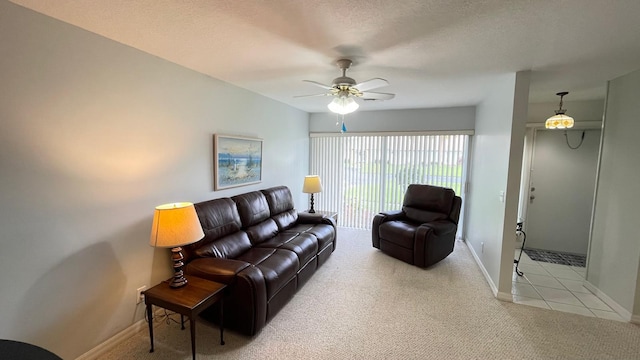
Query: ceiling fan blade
[(377, 96), (301, 96), (371, 84), (319, 84)]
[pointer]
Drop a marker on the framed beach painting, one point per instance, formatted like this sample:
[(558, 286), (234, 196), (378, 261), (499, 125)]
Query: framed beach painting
[(238, 161)]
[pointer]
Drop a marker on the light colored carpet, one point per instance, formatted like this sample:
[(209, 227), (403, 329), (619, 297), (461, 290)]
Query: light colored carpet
[(363, 304)]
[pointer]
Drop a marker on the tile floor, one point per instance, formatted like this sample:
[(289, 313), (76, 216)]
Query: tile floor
[(557, 287)]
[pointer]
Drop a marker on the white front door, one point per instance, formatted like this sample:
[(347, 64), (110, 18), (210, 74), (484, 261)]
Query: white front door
[(561, 191)]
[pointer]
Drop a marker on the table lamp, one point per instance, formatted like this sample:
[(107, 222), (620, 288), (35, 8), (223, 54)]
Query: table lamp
[(312, 185), (176, 225)]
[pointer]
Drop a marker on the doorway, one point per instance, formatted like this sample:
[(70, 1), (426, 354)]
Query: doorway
[(560, 189), (556, 202)]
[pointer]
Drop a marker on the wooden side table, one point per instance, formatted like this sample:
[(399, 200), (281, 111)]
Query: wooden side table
[(189, 300)]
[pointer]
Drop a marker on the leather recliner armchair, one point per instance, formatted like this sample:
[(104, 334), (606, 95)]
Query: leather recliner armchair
[(424, 231)]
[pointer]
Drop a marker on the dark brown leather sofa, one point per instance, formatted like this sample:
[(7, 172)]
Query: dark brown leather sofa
[(260, 246), (424, 231)]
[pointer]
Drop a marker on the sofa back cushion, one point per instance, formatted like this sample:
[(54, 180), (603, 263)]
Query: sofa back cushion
[(255, 216), (262, 232), (281, 206), (220, 222), (228, 247), (425, 203), (252, 207)]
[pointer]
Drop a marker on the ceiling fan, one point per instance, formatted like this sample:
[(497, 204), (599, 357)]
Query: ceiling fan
[(344, 89)]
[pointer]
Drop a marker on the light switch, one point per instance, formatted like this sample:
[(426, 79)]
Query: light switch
[(501, 196)]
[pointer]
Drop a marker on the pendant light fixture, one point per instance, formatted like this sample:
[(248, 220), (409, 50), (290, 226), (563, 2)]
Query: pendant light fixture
[(560, 120)]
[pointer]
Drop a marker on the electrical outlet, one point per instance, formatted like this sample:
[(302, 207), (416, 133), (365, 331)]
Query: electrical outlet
[(139, 294)]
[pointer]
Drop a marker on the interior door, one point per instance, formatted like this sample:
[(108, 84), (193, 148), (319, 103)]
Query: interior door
[(561, 190)]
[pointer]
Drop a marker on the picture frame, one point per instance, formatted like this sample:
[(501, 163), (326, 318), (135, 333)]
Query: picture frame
[(237, 161)]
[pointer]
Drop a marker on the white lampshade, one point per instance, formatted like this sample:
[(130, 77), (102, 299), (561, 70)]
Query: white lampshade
[(559, 121), (312, 184), (343, 105), (175, 225)]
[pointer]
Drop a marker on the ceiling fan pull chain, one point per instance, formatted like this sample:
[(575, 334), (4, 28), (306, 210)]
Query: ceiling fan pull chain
[(344, 127)]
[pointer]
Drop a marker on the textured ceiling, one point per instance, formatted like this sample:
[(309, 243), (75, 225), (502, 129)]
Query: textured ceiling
[(435, 53)]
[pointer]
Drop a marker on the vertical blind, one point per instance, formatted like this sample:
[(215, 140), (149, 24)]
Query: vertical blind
[(365, 174)]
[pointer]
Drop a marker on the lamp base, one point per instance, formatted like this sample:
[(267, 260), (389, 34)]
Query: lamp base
[(178, 278), (311, 211)]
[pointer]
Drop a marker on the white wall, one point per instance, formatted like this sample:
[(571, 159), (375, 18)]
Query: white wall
[(495, 170), (614, 255), (94, 135), (458, 118)]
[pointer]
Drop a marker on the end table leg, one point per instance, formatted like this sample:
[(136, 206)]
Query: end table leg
[(182, 322), (222, 321), (150, 318), (192, 323)]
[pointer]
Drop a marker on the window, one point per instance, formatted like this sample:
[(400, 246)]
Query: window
[(365, 174)]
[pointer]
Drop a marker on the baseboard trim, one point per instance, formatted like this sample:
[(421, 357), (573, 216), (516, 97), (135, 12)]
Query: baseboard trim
[(624, 313), (504, 296), (118, 338), (494, 289)]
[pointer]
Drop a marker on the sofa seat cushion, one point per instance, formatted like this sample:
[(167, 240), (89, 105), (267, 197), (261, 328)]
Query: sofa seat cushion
[(300, 228), (399, 232), (278, 266), (305, 246), (325, 234)]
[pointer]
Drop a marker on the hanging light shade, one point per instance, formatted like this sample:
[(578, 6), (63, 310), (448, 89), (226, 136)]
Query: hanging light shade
[(343, 105), (560, 120)]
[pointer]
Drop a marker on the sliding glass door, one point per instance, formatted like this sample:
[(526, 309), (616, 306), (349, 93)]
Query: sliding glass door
[(364, 174)]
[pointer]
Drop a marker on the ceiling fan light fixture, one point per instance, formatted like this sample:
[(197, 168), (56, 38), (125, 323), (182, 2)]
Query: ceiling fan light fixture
[(560, 120), (343, 105), (344, 90)]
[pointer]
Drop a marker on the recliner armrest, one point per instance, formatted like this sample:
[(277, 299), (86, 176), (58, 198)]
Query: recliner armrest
[(380, 218), (441, 227), (392, 215)]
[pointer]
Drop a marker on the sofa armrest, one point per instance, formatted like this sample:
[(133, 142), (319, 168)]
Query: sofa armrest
[(216, 269), (307, 218), (246, 300)]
